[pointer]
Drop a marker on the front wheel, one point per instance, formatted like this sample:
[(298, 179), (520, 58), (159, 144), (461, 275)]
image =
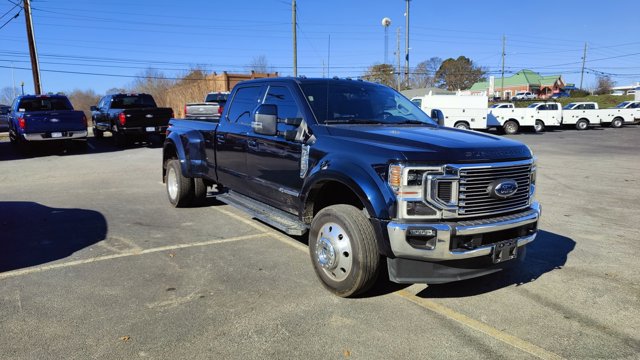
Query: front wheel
[(179, 188), (582, 124), (343, 250), (462, 125), (539, 126), (617, 123), (98, 134), (510, 127)]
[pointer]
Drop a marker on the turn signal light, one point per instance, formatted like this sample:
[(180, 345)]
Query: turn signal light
[(122, 118), (395, 176)]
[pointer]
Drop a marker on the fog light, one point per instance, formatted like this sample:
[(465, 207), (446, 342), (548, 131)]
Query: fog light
[(418, 208), (422, 238)]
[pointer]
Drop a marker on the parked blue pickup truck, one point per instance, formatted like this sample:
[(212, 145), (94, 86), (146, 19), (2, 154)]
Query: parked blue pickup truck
[(38, 118), (367, 174)]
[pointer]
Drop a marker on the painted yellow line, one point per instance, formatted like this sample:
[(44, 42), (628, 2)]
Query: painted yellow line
[(32, 270), (425, 303), (480, 326)]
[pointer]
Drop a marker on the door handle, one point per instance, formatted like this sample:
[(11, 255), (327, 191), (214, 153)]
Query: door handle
[(220, 139), (253, 144)]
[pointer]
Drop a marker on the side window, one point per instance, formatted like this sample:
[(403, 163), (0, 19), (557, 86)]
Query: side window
[(243, 103), (580, 107), (283, 99), (542, 107), (552, 107), (590, 106)]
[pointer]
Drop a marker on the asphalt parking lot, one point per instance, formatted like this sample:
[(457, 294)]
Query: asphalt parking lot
[(95, 263)]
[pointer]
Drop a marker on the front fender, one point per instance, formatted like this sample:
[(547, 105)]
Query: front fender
[(363, 180)]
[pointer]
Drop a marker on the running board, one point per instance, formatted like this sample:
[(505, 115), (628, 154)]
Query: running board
[(277, 218)]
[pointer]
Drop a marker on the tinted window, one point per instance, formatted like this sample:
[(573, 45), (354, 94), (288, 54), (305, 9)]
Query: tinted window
[(244, 102), (216, 97), (552, 106), (132, 101), (569, 106), (282, 98), (44, 104), (589, 106)]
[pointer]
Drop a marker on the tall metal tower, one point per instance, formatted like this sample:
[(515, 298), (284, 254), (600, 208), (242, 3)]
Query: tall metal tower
[(386, 22)]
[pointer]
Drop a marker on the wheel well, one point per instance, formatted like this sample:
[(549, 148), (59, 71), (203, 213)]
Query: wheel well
[(327, 194), (514, 120), (585, 119), (618, 117), (169, 152), (540, 121), (461, 122)]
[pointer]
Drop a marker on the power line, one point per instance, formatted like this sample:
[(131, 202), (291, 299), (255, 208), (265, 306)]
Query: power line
[(15, 16)]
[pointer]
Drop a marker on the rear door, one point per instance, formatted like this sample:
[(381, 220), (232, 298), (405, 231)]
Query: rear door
[(231, 138), (273, 162)]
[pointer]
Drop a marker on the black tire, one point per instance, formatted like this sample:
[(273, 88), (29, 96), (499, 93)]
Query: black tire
[(343, 250), (120, 139), (179, 188), (199, 192), (462, 125), (539, 126), (582, 124), (617, 123), (510, 127), (98, 134)]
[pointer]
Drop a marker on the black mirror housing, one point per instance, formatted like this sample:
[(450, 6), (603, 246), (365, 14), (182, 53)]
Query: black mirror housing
[(94, 108), (265, 120)]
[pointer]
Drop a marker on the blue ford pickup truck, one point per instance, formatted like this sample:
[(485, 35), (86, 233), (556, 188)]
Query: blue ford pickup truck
[(40, 118), (367, 174)]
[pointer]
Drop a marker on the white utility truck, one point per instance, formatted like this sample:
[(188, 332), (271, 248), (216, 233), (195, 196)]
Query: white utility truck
[(537, 116), (625, 113), (459, 110), (583, 114)]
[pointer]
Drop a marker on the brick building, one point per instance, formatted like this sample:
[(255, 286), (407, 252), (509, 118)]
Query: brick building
[(524, 80)]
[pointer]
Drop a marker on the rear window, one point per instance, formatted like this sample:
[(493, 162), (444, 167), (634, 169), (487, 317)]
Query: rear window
[(132, 102), (44, 104), (219, 98)]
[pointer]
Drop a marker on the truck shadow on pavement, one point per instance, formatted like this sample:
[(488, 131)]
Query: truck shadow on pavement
[(34, 234), (547, 253)]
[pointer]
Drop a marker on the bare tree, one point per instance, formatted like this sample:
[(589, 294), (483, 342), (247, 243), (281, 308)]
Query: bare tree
[(7, 93), (424, 74), (380, 73), (83, 100), (260, 64), (604, 83), (154, 82)]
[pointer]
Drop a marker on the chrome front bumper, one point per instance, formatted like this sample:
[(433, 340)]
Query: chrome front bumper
[(445, 231), (66, 135)]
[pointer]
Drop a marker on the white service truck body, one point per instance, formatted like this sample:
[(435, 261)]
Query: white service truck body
[(537, 116), (582, 115), (460, 111)]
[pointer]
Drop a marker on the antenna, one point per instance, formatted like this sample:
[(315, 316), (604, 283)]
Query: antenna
[(386, 22)]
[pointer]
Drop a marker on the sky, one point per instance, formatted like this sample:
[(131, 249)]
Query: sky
[(99, 45)]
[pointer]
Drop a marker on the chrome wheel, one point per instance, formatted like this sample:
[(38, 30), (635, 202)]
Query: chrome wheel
[(333, 251), (539, 126), (172, 183)]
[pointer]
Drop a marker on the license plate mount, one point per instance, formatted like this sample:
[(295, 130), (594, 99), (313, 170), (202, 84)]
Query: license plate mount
[(151, 128), (505, 251), (56, 134)]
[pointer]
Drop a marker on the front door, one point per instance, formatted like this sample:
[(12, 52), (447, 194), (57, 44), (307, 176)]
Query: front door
[(274, 163)]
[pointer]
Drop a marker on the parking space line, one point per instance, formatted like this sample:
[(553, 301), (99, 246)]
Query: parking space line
[(424, 303), (31, 270)]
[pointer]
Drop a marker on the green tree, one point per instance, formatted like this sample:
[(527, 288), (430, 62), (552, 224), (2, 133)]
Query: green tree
[(459, 74), (380, 73)]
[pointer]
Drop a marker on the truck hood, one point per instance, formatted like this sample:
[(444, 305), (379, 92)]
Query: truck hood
[(430, 144)]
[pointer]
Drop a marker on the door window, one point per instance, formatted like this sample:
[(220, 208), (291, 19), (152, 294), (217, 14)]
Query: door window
[(244, 102), (283, 99)]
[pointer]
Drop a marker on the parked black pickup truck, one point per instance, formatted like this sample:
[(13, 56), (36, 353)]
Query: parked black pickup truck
[(129, 116), (367, 174)]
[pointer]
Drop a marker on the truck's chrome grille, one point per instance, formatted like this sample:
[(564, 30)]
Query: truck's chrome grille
[(474, 197)]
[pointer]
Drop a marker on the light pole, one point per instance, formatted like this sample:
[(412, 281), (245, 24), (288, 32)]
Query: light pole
[(22, 85)]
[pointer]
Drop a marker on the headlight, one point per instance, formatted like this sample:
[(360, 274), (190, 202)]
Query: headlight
[(408, 183)]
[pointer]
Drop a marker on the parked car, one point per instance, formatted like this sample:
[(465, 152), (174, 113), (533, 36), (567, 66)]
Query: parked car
[(129, 116), (523, 95), (537, 116), (368, 174), (631, 92), (617, 93), (42, 118), (4, 117), (210, 109), (559, 95)]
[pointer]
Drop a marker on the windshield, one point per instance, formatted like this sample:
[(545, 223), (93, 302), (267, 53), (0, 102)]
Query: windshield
[(44, 104), (533, 105), (132, 102), (356, 102), (622, 105), (569, 106)]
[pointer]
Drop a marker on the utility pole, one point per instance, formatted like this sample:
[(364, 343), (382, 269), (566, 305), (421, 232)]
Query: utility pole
[(502, 80), (406, 46), (398, 56), (329, 57), (35, 66), (584, 58), (295, 38)]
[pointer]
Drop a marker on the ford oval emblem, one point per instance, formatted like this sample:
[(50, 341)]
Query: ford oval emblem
[(54, 120), (502, 188), (149, 116)]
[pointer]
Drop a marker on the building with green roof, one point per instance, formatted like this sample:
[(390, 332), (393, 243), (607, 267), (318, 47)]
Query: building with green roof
[(523, 80)]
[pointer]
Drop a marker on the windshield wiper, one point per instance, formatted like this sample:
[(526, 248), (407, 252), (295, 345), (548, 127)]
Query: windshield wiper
[(417, 122), (353, 121)]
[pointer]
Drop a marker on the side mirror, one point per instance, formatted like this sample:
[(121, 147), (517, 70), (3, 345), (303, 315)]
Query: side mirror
[(438, 116), (265, 120), (94, 108)]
